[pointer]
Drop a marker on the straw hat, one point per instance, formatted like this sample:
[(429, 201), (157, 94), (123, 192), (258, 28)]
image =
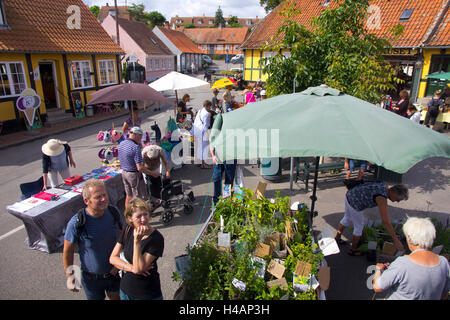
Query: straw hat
[(53, 147)]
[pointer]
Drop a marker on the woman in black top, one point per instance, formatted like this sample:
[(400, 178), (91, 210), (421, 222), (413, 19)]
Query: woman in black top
[(402, 106), (136, 253)]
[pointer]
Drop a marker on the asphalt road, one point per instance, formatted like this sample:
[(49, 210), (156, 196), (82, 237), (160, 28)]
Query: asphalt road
[(35, 275)]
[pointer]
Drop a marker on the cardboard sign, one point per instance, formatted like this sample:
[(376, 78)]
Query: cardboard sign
[(224, 240), (282, 283), (260, 189), (324, 277), (302, 268), (263, 250), (389, 248), (276, 269), (289, 233)]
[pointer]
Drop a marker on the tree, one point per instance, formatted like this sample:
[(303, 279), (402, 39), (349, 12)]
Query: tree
[(339, 52), (95, 10), (156, 18), (233, 22), (269, 5), (219, 20), (137, 13)]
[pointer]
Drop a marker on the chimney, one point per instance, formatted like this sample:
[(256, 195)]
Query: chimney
[(107, 4), (166, 24)]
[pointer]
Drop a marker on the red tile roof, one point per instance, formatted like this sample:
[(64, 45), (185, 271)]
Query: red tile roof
[(123, 12), (144, 37), (41, 26), (416, 29), (180, 40), (217, 35), (442, 35)]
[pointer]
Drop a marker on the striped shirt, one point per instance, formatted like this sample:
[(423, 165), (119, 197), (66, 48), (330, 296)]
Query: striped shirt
[(129, 155)]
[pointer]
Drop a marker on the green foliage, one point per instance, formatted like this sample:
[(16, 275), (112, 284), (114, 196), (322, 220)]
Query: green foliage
[(95, 10), (442, 235), (233, 22), (219, 19), (153, 18), (269, 5), (340, 52), (248, 221)]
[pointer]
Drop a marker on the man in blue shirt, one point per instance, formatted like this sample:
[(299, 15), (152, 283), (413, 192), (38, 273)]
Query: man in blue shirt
[(132, 165), (96, 239)]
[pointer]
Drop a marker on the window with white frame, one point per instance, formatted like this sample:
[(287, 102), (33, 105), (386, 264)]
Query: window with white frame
[(219, 47), (269, 54), (204, 47), (107, 72), (149, 64), (236, 47), (228, 47), (169, 63), (81, 74), (156, 64), (3, 22), (12, 79), (163, 67)]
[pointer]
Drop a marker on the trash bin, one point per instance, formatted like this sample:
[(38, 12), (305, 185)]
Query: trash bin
[(89, 111), (271, 169)]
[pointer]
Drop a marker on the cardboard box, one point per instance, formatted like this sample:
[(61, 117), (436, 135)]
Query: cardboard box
[(389, 248), (276, 269), (324, 277), (263, 250), (260, 189), (282, 283), (303, 269)]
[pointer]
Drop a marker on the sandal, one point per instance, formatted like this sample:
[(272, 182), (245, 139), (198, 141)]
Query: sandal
[(355, 253)]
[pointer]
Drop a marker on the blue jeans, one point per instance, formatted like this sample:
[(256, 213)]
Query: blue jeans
[(95, 289), (218, 170), (124, 296)]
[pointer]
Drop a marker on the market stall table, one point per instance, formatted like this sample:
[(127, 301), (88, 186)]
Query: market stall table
[(45, 220)]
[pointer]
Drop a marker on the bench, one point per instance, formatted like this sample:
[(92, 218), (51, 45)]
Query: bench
[(306, 170)]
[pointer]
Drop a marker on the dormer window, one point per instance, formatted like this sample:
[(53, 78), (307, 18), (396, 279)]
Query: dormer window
[(3, 23), (326, 3), (112, 13), (406, 14)]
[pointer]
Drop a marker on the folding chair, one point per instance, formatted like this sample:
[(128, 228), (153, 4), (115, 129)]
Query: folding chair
[(30, 188)]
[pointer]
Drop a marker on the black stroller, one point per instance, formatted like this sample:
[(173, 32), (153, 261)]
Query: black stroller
[(171, 197)]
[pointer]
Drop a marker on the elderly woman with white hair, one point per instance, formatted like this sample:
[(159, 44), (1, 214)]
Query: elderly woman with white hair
[(421, 275)]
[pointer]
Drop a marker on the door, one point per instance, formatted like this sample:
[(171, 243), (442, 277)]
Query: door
[(47, 72)]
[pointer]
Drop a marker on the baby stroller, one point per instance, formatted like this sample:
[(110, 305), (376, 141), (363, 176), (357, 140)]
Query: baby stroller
[(172, 197)]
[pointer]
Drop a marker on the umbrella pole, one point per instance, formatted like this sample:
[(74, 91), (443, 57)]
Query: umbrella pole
[(291, 173), (176, 104), (313, 197)]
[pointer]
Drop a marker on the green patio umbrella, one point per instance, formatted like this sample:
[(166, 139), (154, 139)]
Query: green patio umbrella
[(439, 76), (322, 121)]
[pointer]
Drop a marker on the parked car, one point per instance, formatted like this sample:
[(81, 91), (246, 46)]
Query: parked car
[(207, 59), (239, 58)]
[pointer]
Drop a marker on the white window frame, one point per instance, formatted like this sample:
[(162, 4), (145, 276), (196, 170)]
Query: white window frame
[(204, 47), (150, 64), (3, 22), (157, 64), (83, 78), (268, 54), (219, 47), (108, 75), (163, 63), (11, 83), (169, 63)]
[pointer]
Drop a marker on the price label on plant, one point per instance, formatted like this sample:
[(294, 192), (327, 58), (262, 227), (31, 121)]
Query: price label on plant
[(238, 284)]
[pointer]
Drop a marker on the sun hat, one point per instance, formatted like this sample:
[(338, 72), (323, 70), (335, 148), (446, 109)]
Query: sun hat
[(53, 147), (136, 130), (263, 92)]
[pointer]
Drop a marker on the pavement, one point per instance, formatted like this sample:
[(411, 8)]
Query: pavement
[(428, 182)]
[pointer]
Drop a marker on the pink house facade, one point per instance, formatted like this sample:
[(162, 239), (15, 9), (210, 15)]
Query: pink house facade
[(138, 40)]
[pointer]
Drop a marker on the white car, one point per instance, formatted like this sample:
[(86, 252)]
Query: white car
[(239, 58)]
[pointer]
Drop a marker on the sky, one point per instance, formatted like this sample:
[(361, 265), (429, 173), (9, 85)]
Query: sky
[(191, 8)]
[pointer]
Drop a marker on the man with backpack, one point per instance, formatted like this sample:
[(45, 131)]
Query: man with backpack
[(434, 106), (94, 229)]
